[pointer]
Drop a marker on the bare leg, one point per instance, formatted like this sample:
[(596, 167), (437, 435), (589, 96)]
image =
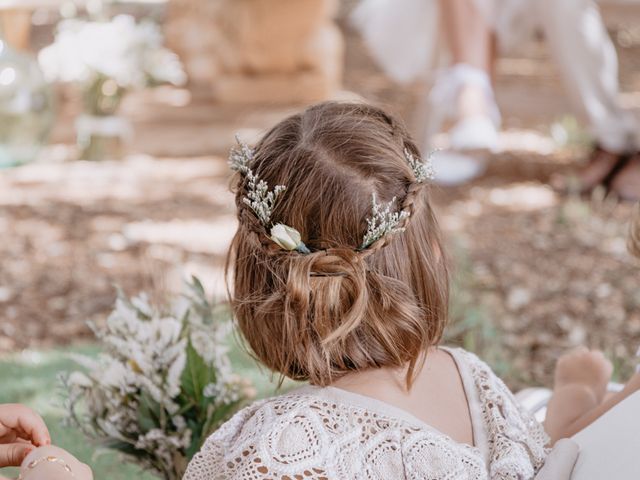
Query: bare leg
[(461, 101), (467, 33), (626, 183), (579, 393), (587, 60), (470, 40)]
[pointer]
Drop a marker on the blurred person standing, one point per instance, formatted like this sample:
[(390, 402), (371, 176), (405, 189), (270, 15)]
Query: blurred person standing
[(404, 38)]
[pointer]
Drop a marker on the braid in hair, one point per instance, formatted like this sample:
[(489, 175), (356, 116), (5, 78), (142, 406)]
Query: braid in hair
[(414, 188), (257, 233)]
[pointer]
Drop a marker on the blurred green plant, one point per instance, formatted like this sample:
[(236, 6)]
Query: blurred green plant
[(567, 132), (162, 384), (470, 325), (30, 377)]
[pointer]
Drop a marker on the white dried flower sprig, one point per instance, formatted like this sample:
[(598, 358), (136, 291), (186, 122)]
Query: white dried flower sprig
[(384, 221), (240, 157), (259, 198), (421, 170), (148, 393)]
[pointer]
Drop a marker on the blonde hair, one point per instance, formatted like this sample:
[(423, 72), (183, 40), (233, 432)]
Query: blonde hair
[(634, 232), (336, 310)]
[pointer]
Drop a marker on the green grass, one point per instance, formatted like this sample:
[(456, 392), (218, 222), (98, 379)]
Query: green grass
[(31, 378)]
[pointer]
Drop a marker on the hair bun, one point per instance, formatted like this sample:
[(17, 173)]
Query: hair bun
[(340, 262), (332, 286)]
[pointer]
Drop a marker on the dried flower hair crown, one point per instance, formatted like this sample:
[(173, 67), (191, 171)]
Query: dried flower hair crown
[(385, 219)]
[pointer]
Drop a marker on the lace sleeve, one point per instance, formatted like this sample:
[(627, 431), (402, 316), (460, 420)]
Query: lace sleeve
[(269, 439), (517, 442), (210, 463)]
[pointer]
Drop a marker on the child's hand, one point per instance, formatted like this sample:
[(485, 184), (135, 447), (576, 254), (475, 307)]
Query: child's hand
[(35, 469), (587, 368), (21, 430)]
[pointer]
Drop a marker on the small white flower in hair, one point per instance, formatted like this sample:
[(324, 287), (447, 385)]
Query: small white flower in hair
[(288, 238), (421, 170), (241, 157), (383, 221), (259, 197)]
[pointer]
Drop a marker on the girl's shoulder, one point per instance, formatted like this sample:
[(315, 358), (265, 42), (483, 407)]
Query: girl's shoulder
[(478, 377), (514, 438)]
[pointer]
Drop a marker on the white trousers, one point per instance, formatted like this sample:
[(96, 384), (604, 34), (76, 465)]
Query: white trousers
[(402, 36), (584, 54), (588, 63)]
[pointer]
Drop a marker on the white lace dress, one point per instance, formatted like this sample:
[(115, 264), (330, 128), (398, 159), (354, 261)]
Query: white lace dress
[(318, 433)]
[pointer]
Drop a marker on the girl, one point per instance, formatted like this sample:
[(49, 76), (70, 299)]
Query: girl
[(340, 279)]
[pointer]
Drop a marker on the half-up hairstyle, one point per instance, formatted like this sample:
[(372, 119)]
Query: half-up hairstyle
[(320, 315)]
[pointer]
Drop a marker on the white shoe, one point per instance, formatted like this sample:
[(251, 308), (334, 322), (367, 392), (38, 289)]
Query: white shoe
[(474, 134), (452, 168)]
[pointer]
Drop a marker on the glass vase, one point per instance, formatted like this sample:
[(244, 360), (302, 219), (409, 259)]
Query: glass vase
[(26, 107), (101, 132)]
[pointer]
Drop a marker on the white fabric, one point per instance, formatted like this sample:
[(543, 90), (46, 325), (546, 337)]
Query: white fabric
[(474, 133), (535, 400), (609, 447), (587, 60), (327, 433), (454, 168), (403, 36), (561, 461), (449, 81)]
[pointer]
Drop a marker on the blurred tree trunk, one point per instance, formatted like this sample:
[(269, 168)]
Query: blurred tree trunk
[(253, 51)]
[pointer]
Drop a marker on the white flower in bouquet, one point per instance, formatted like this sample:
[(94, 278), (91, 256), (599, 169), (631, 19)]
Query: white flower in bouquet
[(127, 52), (162, 384)]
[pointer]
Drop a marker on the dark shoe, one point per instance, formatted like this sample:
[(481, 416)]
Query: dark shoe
[(626, 183), (601, 168)]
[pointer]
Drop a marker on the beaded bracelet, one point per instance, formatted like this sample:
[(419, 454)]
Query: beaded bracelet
[(51, 459)]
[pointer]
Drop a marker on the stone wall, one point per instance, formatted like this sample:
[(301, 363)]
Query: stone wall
[(253, 51)]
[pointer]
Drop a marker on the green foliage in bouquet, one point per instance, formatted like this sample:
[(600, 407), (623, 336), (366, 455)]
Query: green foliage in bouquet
[(162, 385)]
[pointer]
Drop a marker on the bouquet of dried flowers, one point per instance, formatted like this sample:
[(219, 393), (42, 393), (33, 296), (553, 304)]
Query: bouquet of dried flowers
[(162, 385)]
